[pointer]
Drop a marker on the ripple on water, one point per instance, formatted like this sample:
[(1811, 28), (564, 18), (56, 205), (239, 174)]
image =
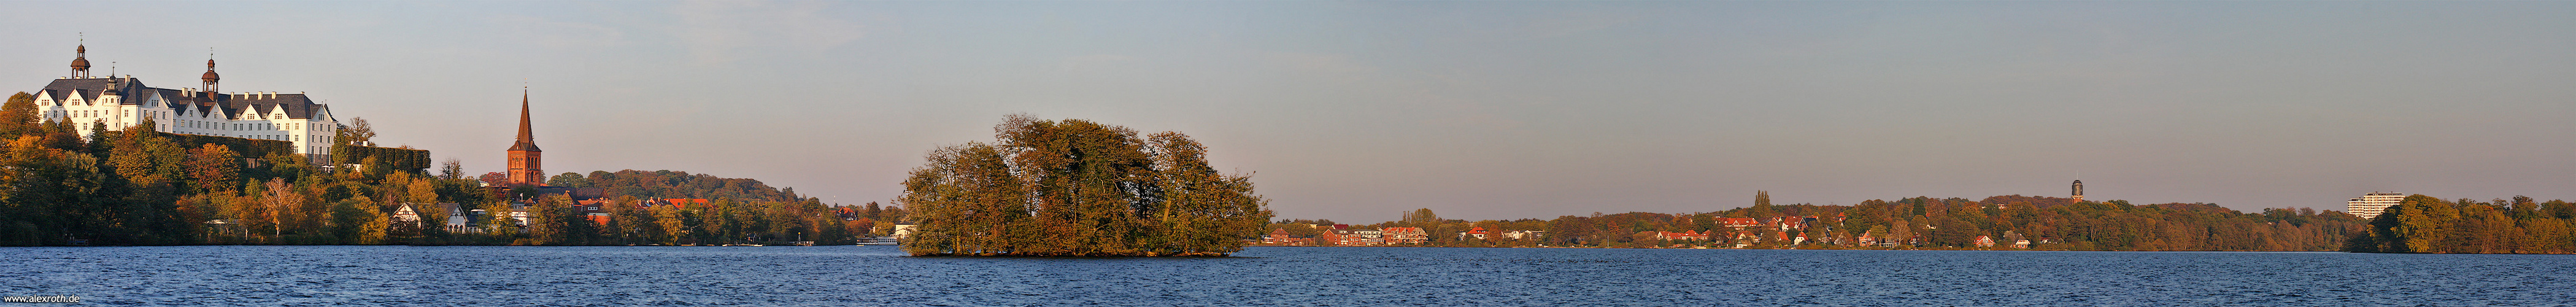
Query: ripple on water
[(876, 275)]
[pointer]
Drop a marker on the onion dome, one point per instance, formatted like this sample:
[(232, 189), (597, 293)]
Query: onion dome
[(80, 57), (210, 75)]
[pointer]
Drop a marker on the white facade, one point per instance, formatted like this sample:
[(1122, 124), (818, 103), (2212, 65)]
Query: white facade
[(254, 115), (2372, 204)]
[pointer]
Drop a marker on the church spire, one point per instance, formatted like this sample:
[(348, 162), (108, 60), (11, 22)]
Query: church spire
[(527, 138), (527, 164)]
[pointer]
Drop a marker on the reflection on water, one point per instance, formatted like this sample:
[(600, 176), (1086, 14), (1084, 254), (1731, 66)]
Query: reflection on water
[(881, 275)]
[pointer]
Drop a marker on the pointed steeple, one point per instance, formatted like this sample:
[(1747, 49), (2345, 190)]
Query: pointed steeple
[(527, 138), (526, 162)]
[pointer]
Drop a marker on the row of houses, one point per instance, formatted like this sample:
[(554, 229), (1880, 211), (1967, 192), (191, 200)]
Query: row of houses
[(1345, 235), (1480, 233), (460, 219)]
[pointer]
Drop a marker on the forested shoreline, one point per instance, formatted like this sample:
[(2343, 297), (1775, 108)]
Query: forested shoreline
[(2424, 224), (142, 187), (1049, 188)]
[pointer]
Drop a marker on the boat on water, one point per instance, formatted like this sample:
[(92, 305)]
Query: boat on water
[(802, 243)]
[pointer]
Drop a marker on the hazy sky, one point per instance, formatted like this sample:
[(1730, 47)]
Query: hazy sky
[(1354, 111)]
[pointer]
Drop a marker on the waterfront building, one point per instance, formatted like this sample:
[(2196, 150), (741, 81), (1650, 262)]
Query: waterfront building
[(1406, 235), (1277, 235), (1738, 222), (1367, 237), (1343, 235), (2370, 205), (903, 230), (455, 221), (121, 102), (1685, 235), (1280, 236)]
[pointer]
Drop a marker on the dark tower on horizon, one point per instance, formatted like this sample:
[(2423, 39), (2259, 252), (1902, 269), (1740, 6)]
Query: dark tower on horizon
[(525, 164), (2079, 191)]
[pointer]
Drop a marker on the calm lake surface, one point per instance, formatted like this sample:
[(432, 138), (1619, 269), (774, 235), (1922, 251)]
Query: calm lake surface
[(1303, 276)]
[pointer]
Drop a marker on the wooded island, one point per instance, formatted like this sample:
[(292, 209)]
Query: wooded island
[(1078, 188)]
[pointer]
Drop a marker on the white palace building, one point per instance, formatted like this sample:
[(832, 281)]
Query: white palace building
[(122, 102)]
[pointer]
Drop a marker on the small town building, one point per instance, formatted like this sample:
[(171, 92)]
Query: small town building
[(1478, 233), (1683, 236), (1406, 235)]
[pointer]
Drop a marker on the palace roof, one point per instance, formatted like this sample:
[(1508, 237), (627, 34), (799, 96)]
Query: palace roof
[(297, 106)]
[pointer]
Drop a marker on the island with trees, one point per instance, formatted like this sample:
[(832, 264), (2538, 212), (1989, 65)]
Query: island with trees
[(1078, 188)]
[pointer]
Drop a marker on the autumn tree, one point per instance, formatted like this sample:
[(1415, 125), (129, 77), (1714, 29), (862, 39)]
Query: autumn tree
[(18, 117), (1078, 188), (213, 167)]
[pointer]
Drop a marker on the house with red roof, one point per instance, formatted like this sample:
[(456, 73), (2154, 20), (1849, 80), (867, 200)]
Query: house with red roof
[(1406, 235), (1685, 236), (1738, 222), (1476, 232)]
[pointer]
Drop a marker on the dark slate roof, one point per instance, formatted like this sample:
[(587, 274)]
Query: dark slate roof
[(87, 89), (296, 105), (183, 104)]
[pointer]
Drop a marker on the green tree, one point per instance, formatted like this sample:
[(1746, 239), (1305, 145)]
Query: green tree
[(674, 225), (1762, 206), (1202, 211), (568, 179), (1422, 216)]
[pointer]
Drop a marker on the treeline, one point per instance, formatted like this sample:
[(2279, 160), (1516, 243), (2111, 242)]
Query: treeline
[(140, 187), (2425, 224), (1923, 222), (559, 220), (1078, 188), (670, 184)]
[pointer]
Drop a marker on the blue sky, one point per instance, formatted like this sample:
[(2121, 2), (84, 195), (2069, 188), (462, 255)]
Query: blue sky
[(1354, 111)]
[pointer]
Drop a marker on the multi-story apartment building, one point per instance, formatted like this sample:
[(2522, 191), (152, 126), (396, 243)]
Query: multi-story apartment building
[(2371, 205)]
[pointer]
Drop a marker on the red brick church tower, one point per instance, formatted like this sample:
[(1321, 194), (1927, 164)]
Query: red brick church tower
[(525, 165)]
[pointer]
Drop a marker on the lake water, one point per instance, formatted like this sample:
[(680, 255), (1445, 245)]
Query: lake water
[(1301, 276)]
